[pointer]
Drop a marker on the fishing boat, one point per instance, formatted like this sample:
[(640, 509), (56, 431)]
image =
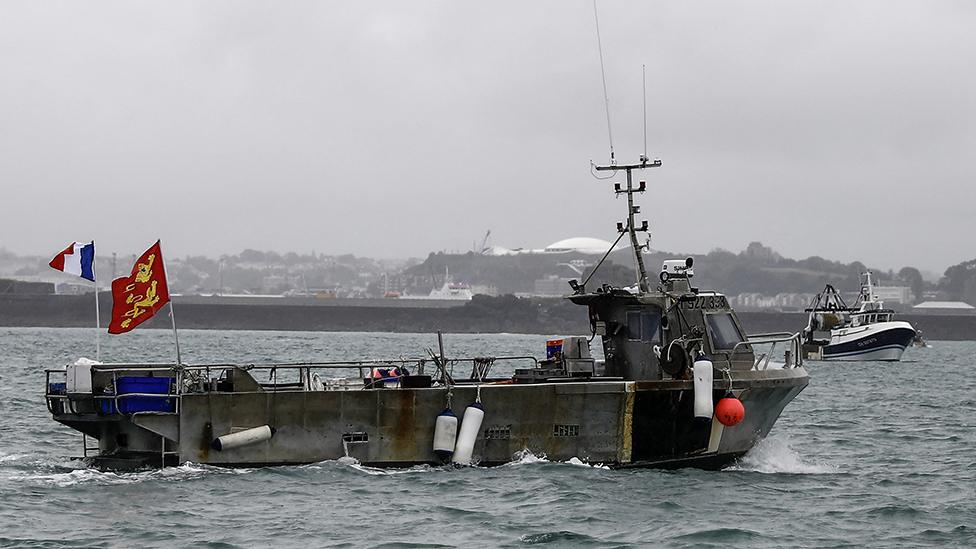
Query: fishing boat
[(864, 331), (679, 384)]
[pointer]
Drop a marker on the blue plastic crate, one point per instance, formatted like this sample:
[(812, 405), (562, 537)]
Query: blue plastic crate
[(106, 406), (152, 385), (131, 404), (134, 384)]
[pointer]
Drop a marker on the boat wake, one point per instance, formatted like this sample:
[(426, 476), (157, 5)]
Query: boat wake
[(354, 463), (774, 455), (79, 473), (526, 457)]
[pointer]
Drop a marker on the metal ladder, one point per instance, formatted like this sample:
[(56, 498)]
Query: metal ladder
[(163, 453)]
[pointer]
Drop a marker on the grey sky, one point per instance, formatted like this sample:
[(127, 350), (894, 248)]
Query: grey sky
[(841, 129)]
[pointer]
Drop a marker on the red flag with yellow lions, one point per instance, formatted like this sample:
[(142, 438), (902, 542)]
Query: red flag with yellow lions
[(137, 297)]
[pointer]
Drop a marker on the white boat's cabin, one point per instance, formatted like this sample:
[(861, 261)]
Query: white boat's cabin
[(870, 317)]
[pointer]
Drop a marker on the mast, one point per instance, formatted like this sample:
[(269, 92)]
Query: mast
[(869, 287), (631, 210)]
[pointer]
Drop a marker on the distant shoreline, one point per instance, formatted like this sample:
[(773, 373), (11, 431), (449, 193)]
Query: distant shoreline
[(483, 315)]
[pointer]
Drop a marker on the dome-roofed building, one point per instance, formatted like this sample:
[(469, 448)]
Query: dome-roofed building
[(581, 244)]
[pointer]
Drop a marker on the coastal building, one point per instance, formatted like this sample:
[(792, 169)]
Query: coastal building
[(944, 308), (577, 244), (894, 294), (780, 302)]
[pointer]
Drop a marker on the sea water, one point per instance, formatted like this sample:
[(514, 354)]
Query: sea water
[(870, 454)]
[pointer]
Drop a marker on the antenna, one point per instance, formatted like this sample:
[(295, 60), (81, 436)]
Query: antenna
[(644, 82), (603, 73)]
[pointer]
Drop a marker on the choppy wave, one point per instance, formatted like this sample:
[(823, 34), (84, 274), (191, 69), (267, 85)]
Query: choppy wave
[(560, 537), (79, 473), (524, 457), (354, 463), (862, 457)]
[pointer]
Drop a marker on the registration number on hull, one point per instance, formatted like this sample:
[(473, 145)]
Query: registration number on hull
[(705, 302)]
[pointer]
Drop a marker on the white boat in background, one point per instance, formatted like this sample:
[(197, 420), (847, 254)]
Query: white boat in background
[(865, 331), (450, 290)]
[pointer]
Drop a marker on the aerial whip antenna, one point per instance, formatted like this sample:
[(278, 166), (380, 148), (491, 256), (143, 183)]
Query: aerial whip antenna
[(603, 73), (644, 82)]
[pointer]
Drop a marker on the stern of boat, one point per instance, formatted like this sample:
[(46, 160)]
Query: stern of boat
[(128, 415)]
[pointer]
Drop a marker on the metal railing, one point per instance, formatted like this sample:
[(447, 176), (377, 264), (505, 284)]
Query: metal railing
[(51, 397), (194, 378), (793, 356)]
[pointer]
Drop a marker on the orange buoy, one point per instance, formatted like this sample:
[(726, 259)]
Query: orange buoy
[(730, 411)]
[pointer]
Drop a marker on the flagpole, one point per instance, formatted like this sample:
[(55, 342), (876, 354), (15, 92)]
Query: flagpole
[(172, 315), (176, 337), (98, 322)]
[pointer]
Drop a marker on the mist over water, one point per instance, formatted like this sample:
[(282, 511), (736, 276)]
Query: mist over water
[(869, 454)]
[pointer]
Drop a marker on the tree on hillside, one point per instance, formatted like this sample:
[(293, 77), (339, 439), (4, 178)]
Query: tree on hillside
[(912, 277), (959, 281), (764, 255)]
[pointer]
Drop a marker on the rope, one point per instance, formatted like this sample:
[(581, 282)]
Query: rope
[(599, 263), (613, 173), (480, 367), (673, 341), (728, 372)]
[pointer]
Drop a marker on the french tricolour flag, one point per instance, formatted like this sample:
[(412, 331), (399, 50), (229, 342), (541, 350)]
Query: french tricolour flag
[(77, 259)]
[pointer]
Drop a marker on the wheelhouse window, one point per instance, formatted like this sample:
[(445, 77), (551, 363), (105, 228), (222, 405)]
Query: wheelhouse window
[(644, 326), (633, 325), (723, 331)]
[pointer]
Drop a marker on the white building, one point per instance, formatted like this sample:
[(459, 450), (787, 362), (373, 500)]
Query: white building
[(894, 294), (944, 307)]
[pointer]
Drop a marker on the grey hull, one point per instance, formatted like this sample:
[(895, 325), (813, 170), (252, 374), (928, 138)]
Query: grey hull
[(616, 423)]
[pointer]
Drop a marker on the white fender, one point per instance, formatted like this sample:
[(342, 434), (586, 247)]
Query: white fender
[(445, 434), (242, 438), (470, 426), (704, 372), (315, 383)]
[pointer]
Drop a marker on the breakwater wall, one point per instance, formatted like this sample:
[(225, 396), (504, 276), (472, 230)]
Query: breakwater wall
[(482, 315)]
